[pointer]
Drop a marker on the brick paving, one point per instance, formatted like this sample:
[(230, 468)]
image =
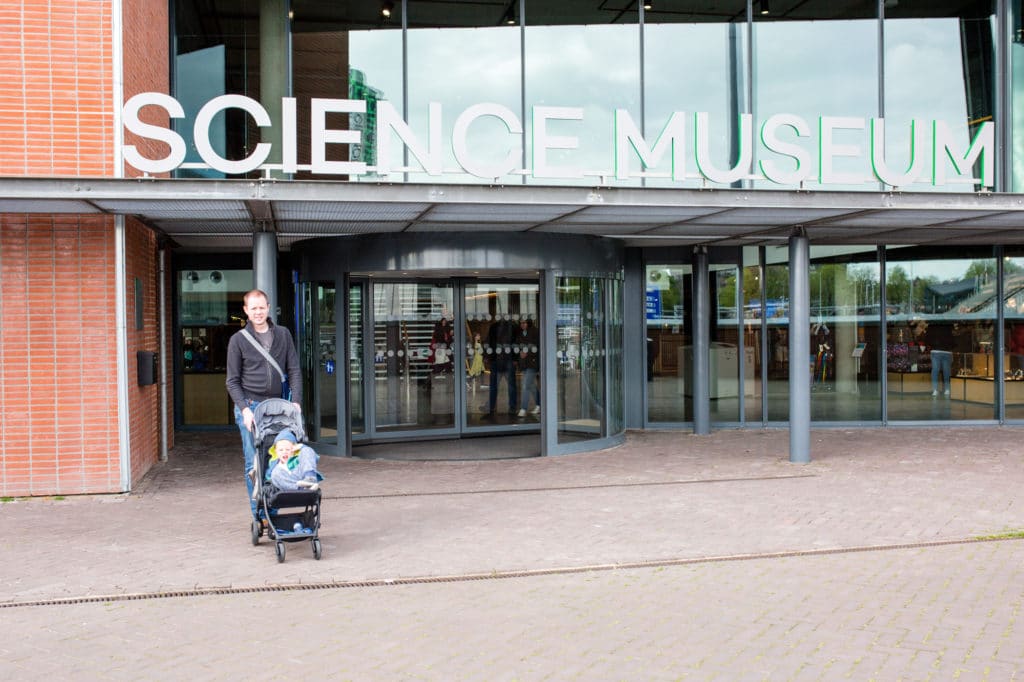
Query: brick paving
[(671, 557)]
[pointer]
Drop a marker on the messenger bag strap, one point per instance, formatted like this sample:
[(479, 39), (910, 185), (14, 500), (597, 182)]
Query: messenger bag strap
[(264, 353)]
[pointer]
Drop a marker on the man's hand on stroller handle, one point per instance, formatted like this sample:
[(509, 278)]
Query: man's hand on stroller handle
[(247, 417)]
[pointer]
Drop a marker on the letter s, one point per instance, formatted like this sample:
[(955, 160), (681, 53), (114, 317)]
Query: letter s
[(132, 123)]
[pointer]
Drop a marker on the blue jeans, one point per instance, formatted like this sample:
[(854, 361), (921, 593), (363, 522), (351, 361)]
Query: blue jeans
[(942, 361), (530, 388), (249, 451), (509, 373)]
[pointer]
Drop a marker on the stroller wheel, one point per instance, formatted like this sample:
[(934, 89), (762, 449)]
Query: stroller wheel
[(279, 548), (257, 531), (317, 550)]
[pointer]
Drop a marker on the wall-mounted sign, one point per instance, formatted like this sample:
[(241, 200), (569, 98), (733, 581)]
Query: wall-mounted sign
[(785, 145)]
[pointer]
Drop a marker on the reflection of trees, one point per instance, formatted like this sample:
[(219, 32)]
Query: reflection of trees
[(905, 291)]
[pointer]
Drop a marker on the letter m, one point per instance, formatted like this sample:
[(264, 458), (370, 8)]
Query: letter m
[(983, 146), (628, 137)]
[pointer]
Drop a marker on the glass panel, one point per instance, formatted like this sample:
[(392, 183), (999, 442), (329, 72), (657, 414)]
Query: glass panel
[(777, 294), (1013, 320), (724, 351), (578, 62), (356, 406), (216, 53), (209, 312), (616, 387), (753, 318), (445, 67), (940, 353), (938, 65), (845, 317), (503, 357), (327, 386), (798, 60), (713, 81), (669, 369), (1016, 96), (581, 352), (413, 342), (346, 50), (338, 51)]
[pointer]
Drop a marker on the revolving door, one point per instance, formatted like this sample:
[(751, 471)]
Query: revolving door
[(445, 357), (446, 354)]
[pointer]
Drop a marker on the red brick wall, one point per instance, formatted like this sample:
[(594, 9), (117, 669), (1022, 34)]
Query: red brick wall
[(141, 263), (146, 67), (58, 352), (58, 374), (57, 96)]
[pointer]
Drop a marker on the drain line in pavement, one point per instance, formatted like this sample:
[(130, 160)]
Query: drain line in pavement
[(494, 575), (556, 488)]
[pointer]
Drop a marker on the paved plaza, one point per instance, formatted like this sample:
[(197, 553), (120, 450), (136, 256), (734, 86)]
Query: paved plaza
[(894, 554)]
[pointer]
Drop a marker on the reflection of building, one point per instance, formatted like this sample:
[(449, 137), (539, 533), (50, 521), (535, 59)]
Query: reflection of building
[(944, 296), (539, 168), (365, 123)]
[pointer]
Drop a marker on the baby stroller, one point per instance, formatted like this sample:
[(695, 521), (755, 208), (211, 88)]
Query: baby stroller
[(292, 515)]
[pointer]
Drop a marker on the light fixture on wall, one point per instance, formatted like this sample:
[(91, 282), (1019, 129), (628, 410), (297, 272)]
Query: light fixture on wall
[(765, 8), (510, 14), (648, 6), (386, 8)]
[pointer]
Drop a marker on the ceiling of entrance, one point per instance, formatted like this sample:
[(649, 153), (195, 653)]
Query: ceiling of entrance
[(224, 214)]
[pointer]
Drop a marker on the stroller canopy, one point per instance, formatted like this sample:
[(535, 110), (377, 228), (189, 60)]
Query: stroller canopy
[(274, 415)]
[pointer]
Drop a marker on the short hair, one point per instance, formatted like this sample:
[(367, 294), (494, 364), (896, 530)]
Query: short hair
[(255, 292)]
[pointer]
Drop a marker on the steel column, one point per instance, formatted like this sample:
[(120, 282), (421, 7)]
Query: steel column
[(264, 268), (799, 348), (701, 343)]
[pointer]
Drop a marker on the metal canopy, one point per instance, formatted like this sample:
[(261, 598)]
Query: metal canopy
[(224, 214)]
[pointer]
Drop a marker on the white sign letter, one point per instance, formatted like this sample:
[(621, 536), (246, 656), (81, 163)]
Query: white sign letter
[(829, 149), (627, 136), (461, 148), (429, 158), (320, 136), (132, 123), (289, 152), (202, 134), (982, 145), (918, 139), (770, 139), (542, 142), (703, 150)]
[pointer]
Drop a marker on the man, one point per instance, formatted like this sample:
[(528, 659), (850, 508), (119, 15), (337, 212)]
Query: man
[(503, 366), (529, 344), (252, 379)]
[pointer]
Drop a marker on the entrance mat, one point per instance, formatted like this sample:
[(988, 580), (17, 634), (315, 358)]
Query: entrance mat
[(458, 449)]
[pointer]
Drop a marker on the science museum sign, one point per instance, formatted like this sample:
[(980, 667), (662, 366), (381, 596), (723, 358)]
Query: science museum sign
[(785, 149)]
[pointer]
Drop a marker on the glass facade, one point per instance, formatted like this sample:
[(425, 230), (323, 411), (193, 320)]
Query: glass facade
[(414, 356), (865, 96), (943, 362), (581, 348), (816, 95)]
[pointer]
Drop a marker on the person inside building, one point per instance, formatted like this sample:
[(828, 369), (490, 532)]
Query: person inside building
[(259, 355), (293, 464), (528, 340), (503, 366), (442, 367)]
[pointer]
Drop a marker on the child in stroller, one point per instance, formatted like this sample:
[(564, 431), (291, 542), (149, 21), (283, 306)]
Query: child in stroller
[(293, 464), (290, 505)]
